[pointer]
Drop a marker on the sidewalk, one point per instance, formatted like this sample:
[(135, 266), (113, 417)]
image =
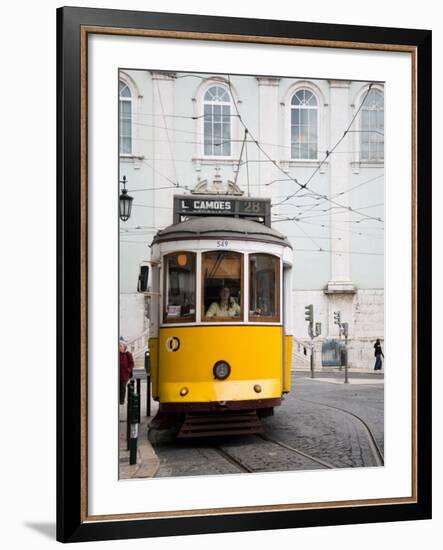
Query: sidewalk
[(147, 461), (333, 375), (341, 380), (331, 371)]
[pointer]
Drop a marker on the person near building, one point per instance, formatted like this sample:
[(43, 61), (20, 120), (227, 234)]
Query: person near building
[(126, 368), (378, 352), (225, 306)]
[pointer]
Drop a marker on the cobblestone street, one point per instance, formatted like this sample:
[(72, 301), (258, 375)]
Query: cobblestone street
[(323, 423)]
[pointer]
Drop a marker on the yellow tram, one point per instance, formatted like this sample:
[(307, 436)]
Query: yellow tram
[(220, 334)]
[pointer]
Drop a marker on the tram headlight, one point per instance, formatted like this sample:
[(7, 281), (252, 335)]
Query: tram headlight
[(221, 370)]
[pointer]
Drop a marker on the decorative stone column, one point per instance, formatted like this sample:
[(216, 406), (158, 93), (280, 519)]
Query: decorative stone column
[(268, 116), (340, 288), (339, 181), (163, 166)]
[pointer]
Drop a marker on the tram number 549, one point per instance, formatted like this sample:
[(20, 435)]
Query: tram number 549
[(222, 244)]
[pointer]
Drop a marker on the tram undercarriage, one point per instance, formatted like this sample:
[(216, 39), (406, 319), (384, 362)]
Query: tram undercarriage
[(210, 419)]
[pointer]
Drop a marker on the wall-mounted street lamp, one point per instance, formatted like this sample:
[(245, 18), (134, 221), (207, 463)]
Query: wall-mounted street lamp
[(125, 202)]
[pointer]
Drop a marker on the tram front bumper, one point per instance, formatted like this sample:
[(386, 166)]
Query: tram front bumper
[(221, 390)]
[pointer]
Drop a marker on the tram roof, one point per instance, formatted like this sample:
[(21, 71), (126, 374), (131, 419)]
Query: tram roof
[(220, 227)]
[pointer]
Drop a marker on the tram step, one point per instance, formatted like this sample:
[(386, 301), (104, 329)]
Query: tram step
[(204, 425)]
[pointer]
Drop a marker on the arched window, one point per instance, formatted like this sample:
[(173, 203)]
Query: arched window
[(217, 122), (125, 118), (304, 125), (372, 140)]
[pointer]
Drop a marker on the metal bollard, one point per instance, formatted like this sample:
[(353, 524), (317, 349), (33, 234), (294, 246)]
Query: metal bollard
[(139, 393), (130, 388), (134, 420)]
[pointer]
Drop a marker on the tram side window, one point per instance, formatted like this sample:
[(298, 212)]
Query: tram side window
[(222, 286), (264, 284), (179, 288)]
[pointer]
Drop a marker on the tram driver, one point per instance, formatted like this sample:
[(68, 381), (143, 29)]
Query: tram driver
[(225, 306)]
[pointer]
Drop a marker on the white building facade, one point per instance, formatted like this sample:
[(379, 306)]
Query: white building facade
[(315, 147)]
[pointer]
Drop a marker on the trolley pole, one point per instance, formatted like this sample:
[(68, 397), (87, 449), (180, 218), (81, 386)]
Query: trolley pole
[(314, 330)]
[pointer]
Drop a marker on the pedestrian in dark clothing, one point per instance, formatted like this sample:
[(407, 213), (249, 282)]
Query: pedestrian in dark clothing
[(378, 352), (126, 368)]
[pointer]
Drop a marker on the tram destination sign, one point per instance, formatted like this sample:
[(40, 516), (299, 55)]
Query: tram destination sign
[(222, 205)]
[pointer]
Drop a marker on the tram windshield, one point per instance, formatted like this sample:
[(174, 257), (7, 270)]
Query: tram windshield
[(264, 283), (222, 286), (179, 288)]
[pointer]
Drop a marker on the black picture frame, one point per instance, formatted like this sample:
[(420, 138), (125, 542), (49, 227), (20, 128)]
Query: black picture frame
[(72, 523)]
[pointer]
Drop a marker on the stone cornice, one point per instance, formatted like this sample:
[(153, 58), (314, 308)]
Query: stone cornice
[(163, 75), (339, 83), (268, 80)]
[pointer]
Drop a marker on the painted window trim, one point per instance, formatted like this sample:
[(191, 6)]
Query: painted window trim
[(199, 127), (136, 98), (358, 161), (305, 108), (321, 122)]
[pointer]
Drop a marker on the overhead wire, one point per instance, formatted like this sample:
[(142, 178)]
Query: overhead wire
[(196, 117), (357, 252), (167, 134), (240, 157), (167, 178), (328, 153), (336, 227), (309, 237), (311, 192), (328, 211), (347, 191), (247, 170), (232, 140)]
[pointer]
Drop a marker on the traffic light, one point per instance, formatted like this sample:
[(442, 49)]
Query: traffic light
[(309, 313), (337, 317)]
